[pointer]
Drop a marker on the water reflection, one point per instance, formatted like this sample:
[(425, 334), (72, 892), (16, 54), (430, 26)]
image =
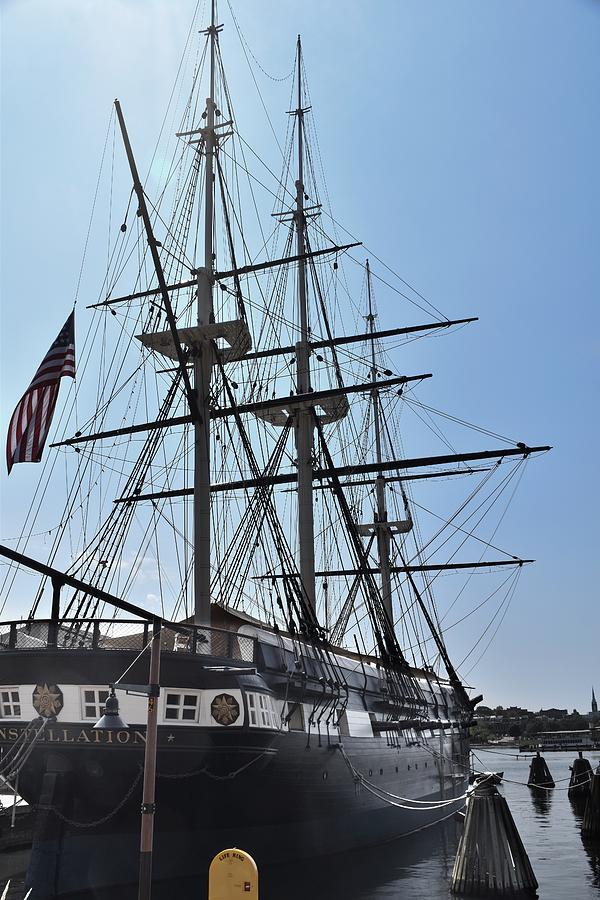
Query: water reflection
[(397, 869), (578, 807), (542, 802), (426, 857)]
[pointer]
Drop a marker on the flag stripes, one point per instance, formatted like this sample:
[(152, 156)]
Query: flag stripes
[(31, 420)]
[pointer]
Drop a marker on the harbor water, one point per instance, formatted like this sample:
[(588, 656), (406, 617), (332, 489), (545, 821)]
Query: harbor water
[(420, 866)]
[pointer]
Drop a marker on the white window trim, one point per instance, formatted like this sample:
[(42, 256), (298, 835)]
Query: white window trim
[(98, 703), (11, 689), (181, 692)]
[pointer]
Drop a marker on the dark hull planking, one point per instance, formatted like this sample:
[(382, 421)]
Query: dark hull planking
[(277, 794)]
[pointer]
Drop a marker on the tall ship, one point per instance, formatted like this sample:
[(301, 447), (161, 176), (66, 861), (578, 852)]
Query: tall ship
[(242, 452)]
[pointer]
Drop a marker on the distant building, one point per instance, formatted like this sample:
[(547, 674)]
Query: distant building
[(593, 715)]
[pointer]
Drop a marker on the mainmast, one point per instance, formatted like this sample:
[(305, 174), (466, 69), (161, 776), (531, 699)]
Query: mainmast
[(382, 528), (203, 362), (304, 423)]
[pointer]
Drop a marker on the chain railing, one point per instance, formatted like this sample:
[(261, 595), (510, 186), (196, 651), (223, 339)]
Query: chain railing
[(125, 635)]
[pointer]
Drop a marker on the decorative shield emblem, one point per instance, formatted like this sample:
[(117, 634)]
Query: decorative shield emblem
[(47, 700), (225, 709)]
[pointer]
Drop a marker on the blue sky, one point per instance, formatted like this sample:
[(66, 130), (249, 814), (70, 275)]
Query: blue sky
[(460, 142)]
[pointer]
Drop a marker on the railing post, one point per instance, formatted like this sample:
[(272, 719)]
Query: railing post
[(55, 613), (96, 635), (148, 805), (12, 637), (194, 639)]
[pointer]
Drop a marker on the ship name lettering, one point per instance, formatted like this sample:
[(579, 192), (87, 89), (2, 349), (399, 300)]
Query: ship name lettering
[(139, 737), (123, 737), (53, 738), (83, 736), (67, 738)]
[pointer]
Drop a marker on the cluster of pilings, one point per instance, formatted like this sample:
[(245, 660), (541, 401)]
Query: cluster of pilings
[(539, 773), (584, 789), (491, 859), (581, 778), (590, 827)]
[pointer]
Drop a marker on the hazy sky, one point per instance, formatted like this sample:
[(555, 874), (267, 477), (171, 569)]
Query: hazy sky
[(460, 142)]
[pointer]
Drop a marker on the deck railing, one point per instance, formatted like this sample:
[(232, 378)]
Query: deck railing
[(125, 635)]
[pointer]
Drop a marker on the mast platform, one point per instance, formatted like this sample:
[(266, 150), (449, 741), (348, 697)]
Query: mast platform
[(235, 332)]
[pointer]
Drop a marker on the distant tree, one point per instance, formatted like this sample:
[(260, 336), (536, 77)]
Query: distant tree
[(515, 730), (480, 733), (574, 722)]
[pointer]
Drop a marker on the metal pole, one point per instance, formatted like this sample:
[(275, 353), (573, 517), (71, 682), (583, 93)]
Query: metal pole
[(14, 806), (148, 804), (383, 532), (203, 366), (304, 417)]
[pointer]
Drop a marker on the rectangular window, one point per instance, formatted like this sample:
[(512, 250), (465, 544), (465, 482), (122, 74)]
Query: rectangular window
[(92, 703), (181, 707), (10, 704), (252, 716), (265, 716), (261, 711)]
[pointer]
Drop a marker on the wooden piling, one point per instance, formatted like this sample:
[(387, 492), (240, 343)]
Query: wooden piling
[(539, 773), (581, 778), (491, 858), (591, 817)]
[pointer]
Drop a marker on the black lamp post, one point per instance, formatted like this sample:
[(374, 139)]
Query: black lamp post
[(112, 721)]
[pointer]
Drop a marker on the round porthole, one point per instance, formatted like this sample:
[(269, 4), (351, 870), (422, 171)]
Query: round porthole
[(381, 771), (324, 776), (370, 772)]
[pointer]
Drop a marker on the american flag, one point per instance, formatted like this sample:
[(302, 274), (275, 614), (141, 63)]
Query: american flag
[(32, 418)]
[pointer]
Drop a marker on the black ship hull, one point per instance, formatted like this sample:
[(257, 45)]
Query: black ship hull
[(281, 793), (282, 810)]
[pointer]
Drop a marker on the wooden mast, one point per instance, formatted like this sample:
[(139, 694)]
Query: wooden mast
[(203, 363), (304, 417), (381, 526)]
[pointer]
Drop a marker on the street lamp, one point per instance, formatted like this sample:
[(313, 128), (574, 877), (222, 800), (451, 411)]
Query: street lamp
[(112, 721)]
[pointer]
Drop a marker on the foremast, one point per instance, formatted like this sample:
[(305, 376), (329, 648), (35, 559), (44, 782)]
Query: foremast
[(203, 361), (304, 417)]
